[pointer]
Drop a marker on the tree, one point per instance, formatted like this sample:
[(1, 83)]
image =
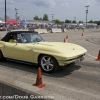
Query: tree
[(80, 22), (36, 17), (91, 21), (98, 22), (73, 21), (67, 21), (18, 17), (40, 18), (57, 21), (45, 17)]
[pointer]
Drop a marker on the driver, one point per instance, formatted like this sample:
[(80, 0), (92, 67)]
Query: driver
[(14, 37)]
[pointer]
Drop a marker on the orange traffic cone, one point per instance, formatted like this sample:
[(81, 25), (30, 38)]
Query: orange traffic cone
[(66, 36), (82, 34), (39, 79), (98, 56), (64, 40)]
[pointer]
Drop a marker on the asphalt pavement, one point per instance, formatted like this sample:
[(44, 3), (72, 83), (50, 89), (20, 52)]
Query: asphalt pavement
[(74, 82)]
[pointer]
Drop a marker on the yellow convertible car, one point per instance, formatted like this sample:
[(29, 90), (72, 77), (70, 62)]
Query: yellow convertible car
[(30, 47)]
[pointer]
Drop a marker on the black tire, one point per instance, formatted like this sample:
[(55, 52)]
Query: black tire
[(1, 56), (48, 63)]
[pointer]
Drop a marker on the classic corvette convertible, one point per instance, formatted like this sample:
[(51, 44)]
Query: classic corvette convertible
[(30, 47)]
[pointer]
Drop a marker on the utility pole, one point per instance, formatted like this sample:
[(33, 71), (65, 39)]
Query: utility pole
[(52, 17), (5, 14), (16, 13), (75, 19), (86, 14)]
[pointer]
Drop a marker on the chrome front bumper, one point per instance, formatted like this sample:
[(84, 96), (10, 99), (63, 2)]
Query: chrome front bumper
[(76, 60)]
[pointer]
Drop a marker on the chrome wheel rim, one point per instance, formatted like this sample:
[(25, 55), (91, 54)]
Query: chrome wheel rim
[(47, 63)]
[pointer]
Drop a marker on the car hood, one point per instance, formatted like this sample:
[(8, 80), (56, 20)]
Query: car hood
[(63, 46), (60, 45), (60, 48)]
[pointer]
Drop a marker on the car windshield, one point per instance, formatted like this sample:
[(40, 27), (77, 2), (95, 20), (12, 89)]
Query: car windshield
[(31, 37)]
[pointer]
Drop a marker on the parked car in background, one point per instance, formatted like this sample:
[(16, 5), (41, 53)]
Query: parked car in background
[(2, 28)]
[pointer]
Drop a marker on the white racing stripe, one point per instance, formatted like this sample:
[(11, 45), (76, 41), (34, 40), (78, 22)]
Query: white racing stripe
[(91, 55)]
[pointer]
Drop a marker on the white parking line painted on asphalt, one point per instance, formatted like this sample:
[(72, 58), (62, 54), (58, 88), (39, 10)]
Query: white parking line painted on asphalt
[(75, 37), (91, 55)]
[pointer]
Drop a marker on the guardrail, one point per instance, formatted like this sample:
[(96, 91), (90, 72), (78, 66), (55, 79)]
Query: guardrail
[(56, 30), (41, 30)]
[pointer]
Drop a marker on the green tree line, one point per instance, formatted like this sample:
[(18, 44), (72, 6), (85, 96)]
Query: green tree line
[(57, 21)]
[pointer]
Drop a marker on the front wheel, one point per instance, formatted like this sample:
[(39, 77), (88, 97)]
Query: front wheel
[(48, 63)]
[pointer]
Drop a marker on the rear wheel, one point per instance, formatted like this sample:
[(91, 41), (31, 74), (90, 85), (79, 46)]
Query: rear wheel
[(1, 56), (48, 63)]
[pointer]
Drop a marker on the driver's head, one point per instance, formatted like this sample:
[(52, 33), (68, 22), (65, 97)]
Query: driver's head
[(14, 36)]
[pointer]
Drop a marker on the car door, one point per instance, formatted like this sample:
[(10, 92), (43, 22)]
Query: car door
[(29, 54), (13, 50)]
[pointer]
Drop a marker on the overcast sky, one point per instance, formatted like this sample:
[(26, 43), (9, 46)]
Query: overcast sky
[(62, 9)]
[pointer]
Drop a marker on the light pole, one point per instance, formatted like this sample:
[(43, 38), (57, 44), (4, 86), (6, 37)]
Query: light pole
[(5, 13), (75, 19), (86, 14), (52, 17), (16, 13)]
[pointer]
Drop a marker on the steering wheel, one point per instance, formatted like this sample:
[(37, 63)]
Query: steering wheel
[(35, 40)]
